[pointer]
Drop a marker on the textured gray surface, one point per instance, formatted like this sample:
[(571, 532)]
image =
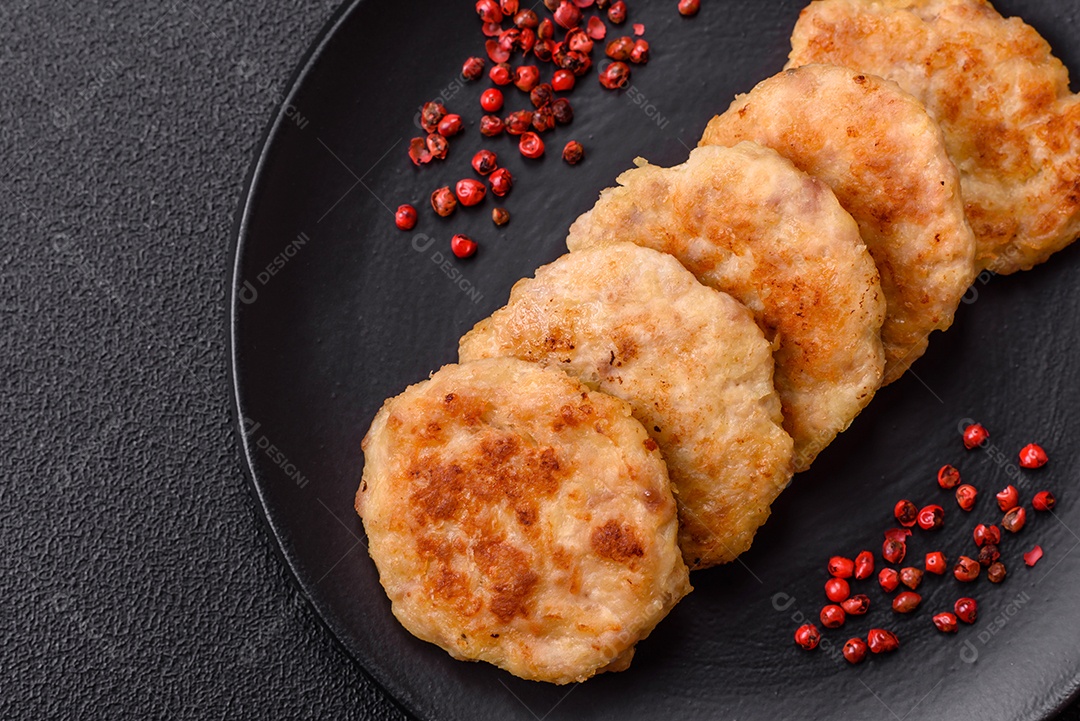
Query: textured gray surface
[(138, 581)]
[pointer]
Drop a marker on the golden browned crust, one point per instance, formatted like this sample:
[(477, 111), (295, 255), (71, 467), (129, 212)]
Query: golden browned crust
[(1002, 99), (885, 159), (690, 361), (746, 222), (518, 518)]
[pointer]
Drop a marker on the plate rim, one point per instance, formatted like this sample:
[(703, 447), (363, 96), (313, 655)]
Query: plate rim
[(399, 698)]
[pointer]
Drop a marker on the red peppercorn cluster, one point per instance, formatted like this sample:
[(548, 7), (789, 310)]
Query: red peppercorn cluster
[(519, 43), (842, 572), (844, 601)]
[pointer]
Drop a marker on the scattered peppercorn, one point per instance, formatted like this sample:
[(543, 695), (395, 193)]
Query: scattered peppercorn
[(450, 126), (996, 573), (855, 650), (519, 122), (579, 40), (517, 38), (496, 50), (443, 201), (418, 151), (1008, 498), (931, 518), (596, 29), (832, 616), (563, 81), (906, 602), (492, 100), (948, 477), (473, 69), (617, 12), (1033, 456), (987, 534), (975, 436), (485, 162), (508, 7), (893, 551), (906, 512), (543, 120), (881, 641), (841, 567), (911, 577), (689, 8), (615, 76), (526, 78), (491, 125), (837, 590), (470, 192), (1014, 520), (568, 15), (430, 115), (640, 54), (1043, 501), (897, 534), (501, 182), (967, 610), (856, 605), (489, 11), (807, 636), (437, 145), (509, 39), (531, 146), (935, 563), (542, 95), (573, 153), (889, 579), (462, 246), (544, 50), (546, 29), (989, 555), (527, 40), (501, 74), (500, 216), (560, 56), (966, 569), (1032, 557), (965, 497), (563, 111), (575, 61), (620, 48), (527, 19), (946, 622), (405, 217), (864, 565)]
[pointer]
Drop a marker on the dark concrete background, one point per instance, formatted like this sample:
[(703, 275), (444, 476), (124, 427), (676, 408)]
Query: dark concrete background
[(137, 578)]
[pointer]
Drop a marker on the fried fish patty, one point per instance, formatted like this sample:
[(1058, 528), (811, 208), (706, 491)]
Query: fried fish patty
[(1002, 99), (746, 222), (689, 360), (518, 518), (885, 159)]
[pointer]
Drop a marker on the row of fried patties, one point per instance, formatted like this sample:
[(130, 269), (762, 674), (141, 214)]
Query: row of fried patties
[(636, 407)]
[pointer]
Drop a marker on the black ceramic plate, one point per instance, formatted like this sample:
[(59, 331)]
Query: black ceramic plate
[(335, 310)]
